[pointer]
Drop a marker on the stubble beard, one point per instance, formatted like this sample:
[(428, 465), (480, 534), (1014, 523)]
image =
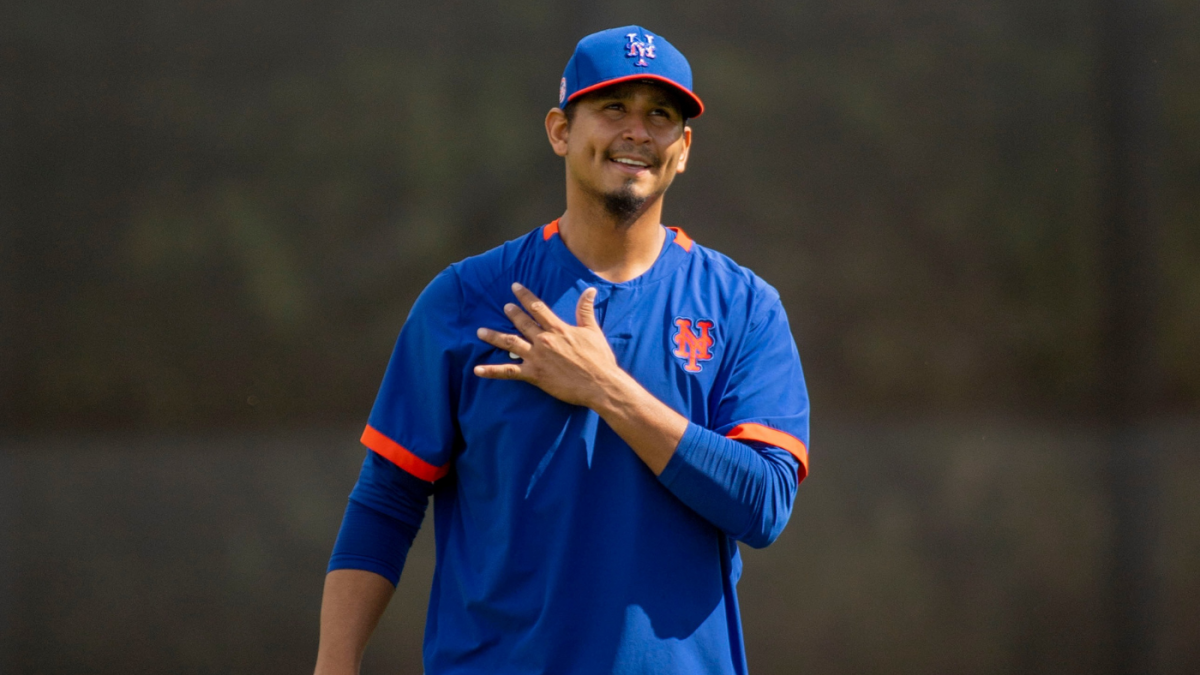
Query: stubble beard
[(623, 205)]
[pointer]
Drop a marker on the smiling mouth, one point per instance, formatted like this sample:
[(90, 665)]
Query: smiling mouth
[(631, 162)]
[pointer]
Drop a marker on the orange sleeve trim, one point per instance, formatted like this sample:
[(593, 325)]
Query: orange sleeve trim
[(549, 230), (775, 437), (682, 239), (400, 456)]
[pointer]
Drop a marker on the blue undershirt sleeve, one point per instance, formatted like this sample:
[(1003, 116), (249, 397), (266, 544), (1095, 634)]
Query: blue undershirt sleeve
[(382, 519), (746, 491), (372, 541)]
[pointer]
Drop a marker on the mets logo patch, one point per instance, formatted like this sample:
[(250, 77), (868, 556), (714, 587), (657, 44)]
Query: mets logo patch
[(692, 345), (640, 49)]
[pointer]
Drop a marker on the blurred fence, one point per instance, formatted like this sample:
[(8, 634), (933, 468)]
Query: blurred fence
[(914, 548)]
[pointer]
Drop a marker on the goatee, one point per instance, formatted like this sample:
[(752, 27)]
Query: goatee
[(623, 204)]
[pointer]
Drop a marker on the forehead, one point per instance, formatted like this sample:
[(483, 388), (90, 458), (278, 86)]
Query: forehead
[(659, 94)]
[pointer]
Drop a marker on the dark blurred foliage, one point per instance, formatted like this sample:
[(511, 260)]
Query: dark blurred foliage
[(219, 212)]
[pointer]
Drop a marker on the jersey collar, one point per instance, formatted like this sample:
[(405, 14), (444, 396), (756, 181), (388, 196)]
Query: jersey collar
[(676, 249)]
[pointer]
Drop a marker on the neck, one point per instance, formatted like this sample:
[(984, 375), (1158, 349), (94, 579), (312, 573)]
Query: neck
[(615, 249)]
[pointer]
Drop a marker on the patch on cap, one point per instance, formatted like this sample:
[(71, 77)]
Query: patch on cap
[(562, 91)]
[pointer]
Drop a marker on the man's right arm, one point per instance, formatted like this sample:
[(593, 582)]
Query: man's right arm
[(350, 609), (382, 519), (411, 433)]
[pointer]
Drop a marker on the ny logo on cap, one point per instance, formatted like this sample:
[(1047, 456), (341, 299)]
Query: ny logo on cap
[(639, 49)]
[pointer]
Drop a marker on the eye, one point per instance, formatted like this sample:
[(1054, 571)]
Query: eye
[(663, 114)]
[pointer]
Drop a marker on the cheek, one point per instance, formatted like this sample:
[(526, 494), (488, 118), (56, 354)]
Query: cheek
[(584, 152), (671, 158), (673, 145), (585, 163)]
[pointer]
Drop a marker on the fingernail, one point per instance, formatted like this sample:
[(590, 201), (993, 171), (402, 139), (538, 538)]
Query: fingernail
[(481, 332), (517, 286), (508, 307), (478, 370)]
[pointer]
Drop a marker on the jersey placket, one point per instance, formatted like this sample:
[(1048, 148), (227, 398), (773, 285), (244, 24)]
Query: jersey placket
[(619, 306)]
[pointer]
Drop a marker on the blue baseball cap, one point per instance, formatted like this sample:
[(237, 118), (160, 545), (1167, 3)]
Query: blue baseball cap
[(627, 54)]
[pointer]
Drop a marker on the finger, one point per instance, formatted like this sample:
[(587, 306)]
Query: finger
[(585, 310), (521, 320), (511, 343), (507, 371), (539, 310)]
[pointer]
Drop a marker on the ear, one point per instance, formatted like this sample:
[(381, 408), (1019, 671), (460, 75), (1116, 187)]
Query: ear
[(557, 131), (687, 146)]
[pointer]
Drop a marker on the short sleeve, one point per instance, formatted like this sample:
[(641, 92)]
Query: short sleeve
[(412, 424), (765, 399)]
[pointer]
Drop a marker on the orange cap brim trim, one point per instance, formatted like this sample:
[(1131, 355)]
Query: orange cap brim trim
[(630, 78)]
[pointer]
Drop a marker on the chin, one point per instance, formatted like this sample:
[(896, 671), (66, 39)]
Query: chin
[(643, 189), (626, 202)]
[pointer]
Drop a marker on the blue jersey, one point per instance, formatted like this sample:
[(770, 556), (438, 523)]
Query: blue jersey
[(558, 550)]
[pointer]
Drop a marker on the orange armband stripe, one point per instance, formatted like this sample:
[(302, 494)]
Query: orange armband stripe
[(401, 456), (775, 437)]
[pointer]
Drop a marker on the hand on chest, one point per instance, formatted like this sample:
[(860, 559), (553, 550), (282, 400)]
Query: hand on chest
[(673, 344)]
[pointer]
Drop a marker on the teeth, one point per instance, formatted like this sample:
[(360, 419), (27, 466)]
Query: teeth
[(630, 162)]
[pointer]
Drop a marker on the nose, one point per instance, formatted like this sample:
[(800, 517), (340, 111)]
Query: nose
[(636, 129)]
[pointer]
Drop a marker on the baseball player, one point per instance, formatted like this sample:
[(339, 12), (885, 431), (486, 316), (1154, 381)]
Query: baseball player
[(601, 409)]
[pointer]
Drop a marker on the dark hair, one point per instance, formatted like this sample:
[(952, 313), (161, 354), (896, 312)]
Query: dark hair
[(569, 111)]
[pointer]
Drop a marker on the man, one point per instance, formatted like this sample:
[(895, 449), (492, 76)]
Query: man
[(601, 409)]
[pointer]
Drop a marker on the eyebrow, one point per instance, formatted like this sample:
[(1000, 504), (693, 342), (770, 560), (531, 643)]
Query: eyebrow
[(660, 101)]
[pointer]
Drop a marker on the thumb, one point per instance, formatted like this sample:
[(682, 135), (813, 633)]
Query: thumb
[(585, 311)]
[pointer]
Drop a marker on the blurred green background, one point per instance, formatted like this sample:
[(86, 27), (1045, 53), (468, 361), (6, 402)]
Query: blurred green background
[(983, 218)]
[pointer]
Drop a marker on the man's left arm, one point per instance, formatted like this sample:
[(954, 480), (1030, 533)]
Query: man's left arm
[(745, 491)]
